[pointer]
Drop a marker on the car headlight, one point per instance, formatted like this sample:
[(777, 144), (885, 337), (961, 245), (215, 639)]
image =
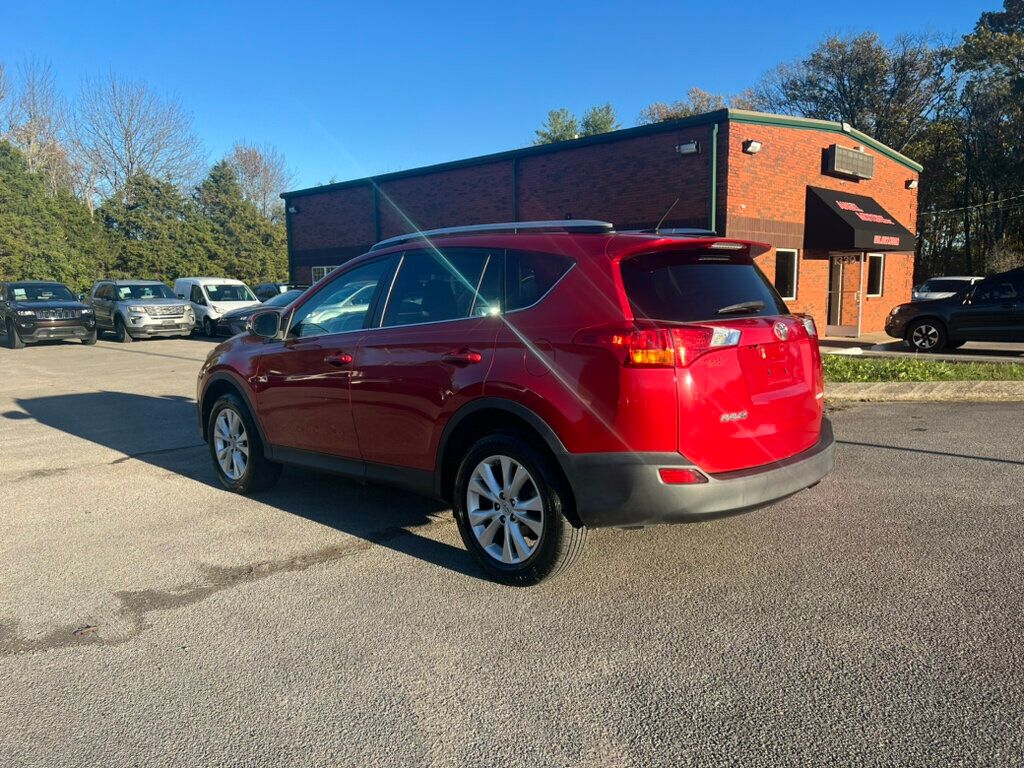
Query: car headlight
[(86, 312), (137, 310), (25, 313)]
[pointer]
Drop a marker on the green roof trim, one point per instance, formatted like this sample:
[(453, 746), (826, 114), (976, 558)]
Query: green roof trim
[(830, 126), (708, 118)]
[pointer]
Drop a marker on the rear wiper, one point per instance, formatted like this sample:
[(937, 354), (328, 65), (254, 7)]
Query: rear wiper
[(743, 306)]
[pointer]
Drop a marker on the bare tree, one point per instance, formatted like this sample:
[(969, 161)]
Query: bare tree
[(3, 86), (36, 121), (262, 173), (697, 102), (123, 129)]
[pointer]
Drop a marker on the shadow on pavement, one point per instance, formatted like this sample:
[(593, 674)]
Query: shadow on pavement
[(163, 432)]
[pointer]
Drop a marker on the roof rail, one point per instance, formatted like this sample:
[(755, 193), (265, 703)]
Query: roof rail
[(674, 232), (584, 226)]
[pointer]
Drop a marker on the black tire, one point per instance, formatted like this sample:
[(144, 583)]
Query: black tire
[(558, 545), (259, 474), (209, 330), (14, 341), (926, 336), (121, 331), (90, 339)]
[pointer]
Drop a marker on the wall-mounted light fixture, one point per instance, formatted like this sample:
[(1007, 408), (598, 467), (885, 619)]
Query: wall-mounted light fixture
[(688, 148), (293, 209), (751, 147), (911, 184)]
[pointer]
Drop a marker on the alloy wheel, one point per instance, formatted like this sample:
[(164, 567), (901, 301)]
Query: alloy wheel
[(925, 337), (231, 444), (505, 510)]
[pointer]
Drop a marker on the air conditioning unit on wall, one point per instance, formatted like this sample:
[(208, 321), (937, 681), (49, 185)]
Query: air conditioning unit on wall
[(849, 162)]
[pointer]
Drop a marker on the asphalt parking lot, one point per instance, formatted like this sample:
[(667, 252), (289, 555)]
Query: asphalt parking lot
[(149, 618)]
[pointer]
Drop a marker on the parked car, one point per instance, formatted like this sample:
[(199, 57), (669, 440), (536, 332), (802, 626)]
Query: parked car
[(265, 291), (212, 297), (991, 310), (232, 323), (942, 287), (33, 311), (140, 309), (544, 378)]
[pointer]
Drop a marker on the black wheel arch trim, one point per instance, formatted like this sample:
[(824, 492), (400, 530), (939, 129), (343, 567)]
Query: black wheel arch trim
[(242, 390), (541, 427)]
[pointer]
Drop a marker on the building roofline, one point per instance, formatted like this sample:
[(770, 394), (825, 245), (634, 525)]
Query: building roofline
[(707, 118)]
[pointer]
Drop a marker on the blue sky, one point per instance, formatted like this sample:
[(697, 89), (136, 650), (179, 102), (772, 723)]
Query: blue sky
[(351, 89)]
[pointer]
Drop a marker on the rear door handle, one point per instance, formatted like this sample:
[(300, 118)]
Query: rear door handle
[(338, 359), (464, 357)]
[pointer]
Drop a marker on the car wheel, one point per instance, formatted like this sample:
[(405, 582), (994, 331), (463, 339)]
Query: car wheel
[(121, 331), (208, 328), (90, 339), (509, 502), (926, 336), (236, 448), (13, 339)]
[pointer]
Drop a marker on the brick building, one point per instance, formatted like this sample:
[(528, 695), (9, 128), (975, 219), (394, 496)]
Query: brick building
[(838, 207)]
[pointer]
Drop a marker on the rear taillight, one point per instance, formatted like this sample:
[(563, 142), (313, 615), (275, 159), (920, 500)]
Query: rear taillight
[(662, 347), (809, 326)]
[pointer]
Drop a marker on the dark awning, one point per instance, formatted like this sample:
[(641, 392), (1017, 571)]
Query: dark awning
[(839, 221)]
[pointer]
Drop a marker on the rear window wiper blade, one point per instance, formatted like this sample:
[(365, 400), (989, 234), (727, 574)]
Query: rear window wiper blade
[(743, 306)]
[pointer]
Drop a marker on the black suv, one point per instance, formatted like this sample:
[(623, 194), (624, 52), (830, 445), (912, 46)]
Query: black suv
[(992, 310), (40, 311)]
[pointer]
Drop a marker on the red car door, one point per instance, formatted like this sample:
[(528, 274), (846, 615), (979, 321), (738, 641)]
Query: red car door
[(303, 396), (429, 353)]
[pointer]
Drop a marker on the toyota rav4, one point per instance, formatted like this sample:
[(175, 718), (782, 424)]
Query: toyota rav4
[(544, 378)]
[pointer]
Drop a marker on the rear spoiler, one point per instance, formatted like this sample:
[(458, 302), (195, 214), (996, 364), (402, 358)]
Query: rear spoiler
[(721, 247)]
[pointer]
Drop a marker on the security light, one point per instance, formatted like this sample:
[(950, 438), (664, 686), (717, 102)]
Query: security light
[(911, 184), (292, 209), (688, 148), (751, 147)]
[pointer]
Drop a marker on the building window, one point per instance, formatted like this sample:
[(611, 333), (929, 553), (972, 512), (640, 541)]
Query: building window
[(876, 273), (319, 273), (786, 267)]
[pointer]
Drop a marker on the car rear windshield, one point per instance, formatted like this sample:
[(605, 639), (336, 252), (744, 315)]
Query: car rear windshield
[(685, 287), (944, 286)]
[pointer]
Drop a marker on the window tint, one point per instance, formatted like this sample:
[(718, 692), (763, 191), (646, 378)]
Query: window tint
[(681, 287), (785, 273), (876, 273), (340, 305), (196, 295), (530, 275), (998, 288), (432, 287)]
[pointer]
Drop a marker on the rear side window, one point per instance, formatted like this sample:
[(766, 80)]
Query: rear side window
[(432, 287), (530, 275), (681, 287)]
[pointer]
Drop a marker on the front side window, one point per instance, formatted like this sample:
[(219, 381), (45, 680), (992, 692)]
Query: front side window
[(433, 287), (197, 295), (786, 262), (340, 305), (876, 273), (996, 289)]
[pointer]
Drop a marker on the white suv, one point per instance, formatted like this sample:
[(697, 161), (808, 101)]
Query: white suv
[(212, 297)]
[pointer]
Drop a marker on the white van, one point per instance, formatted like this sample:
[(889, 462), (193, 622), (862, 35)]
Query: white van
[(212, 297)]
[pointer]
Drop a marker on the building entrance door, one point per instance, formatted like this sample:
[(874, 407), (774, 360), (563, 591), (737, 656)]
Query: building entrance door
[(844, 294)]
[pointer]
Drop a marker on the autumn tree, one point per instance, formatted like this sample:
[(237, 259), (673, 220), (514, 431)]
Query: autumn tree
[(123, 129), (697, 102), (262, 175)]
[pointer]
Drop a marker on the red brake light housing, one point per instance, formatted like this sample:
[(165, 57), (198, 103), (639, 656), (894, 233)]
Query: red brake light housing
[(661, 347)]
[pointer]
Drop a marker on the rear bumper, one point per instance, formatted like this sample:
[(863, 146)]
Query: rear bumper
[(624, 489)]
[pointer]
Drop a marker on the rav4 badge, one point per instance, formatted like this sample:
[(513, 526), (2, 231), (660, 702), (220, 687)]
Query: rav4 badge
[(737, 416)]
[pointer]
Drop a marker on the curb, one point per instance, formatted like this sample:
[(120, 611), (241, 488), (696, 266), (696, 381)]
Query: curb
[(868, 351), (926, 391)]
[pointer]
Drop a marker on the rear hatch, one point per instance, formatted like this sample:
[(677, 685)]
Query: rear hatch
[(749, 378)]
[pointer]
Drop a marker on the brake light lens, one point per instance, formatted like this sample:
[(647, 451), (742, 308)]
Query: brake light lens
[(663, 347), (809, 326), (680, 476)]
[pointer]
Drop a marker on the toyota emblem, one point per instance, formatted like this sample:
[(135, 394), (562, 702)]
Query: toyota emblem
[(781, 330)]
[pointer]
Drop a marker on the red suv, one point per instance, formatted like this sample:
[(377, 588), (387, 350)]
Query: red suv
[(544, 378)]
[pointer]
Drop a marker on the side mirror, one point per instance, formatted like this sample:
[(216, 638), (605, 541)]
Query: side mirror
[(81, 297), (181, 295), (266, 325)]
